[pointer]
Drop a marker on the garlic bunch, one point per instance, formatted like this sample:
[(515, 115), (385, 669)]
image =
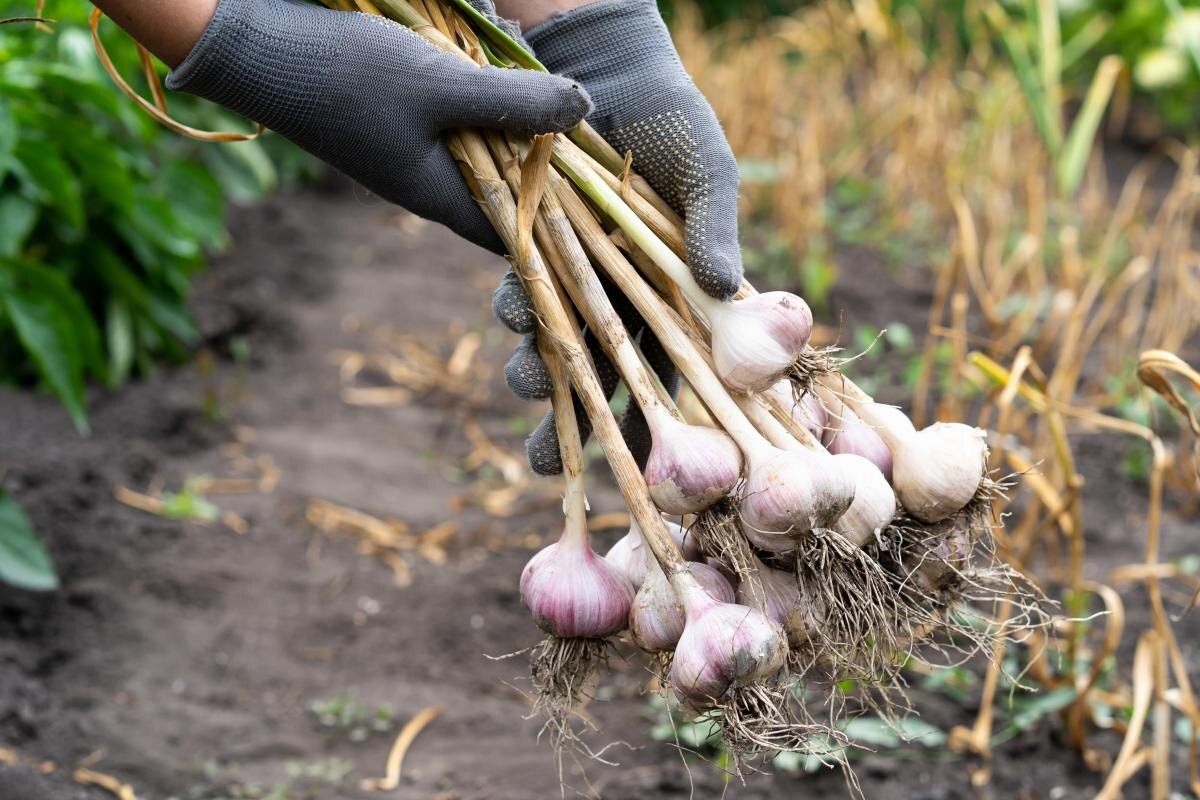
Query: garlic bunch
[(574, 593), (755, 341), (630, 551), (790, 492), (874, 504), (723, 645), (690, 466), (777, 594), (656, 620)]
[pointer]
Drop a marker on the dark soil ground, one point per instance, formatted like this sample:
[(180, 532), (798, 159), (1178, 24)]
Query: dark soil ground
[(181, 658)]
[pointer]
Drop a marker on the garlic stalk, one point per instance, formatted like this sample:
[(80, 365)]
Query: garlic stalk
[(783, 490), (936, 471), (690, 467), (755, 341), (571, 591)]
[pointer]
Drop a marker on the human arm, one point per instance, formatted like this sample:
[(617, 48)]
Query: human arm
[(167, 28)]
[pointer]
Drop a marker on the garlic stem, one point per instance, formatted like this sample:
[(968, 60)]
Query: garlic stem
[(661, 318), (611, 204), (485, 182), (569, 261)]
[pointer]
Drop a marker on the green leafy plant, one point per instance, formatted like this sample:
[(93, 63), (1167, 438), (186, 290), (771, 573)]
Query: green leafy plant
[(345, 713), (105, 217), (24, 562)]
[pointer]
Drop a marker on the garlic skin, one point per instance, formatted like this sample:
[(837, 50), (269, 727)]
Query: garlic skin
[(781, 600), (935, 564), (690, 467), (723, 645), (730, 577), (757, 339), (629, 552), (851, 435), (874, 505), (574, 593), (936, 471), (657, 619), (806, 412), (789, 493)]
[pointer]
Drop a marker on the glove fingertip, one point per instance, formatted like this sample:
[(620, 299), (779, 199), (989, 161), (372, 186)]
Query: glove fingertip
[(718, 273), (526, 373), (511, 305), (541, 448)]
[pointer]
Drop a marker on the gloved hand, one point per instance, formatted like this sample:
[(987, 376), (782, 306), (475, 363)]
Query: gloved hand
[(371, 98), (645, 103)]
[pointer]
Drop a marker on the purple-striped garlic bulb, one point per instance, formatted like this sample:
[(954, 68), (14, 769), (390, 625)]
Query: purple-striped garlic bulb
[(756, 340), (723, 645), (572, 592), (690, 467)]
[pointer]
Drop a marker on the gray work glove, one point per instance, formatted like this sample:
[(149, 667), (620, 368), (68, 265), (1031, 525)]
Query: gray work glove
[(646, 104), (371, 98)]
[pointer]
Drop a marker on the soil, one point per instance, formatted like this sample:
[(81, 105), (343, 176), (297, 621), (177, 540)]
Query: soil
[(181, 658)]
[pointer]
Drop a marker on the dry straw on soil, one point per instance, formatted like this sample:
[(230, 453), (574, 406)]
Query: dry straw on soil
[(1047, 298)]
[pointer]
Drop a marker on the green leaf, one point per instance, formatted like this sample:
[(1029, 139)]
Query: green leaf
[(102, 166), (24, 562), (17, 218), (196, 201), (872, 732), (128, 286), (45, 173), (1031, 711), (47, 281), (8, 138), (1075, 155), (189, 505), (914, 729), (48, 332), (118, 329)]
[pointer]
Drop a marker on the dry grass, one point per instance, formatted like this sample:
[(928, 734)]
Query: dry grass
[(1047, 300)]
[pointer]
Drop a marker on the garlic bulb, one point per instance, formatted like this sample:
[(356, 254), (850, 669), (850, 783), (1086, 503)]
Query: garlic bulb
[(630, 551), (936, 471), (755, 341), (572, 592), (848, 434), (690, 467), (778, 596), (874, 503), (788, 493), (656, 620), (807, 411), (730, 577), (722, 645), (936, 562)]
